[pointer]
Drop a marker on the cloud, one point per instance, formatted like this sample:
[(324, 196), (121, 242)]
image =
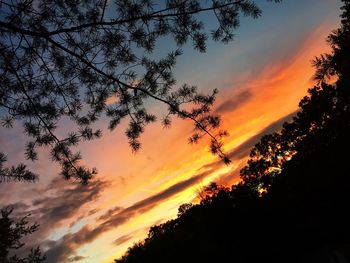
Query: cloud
[(232, 104), (77, 258), (64, 249), (19, 209), (110, 212), (66, 202), (123, 239), (60, 201), (51, 212)]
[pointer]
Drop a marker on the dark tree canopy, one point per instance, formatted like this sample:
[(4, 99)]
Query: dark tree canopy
[(292, 204), (323, 113), (11, 233), (89, 58)]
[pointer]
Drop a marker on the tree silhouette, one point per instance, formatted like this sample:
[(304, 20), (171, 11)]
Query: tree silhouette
[(317, 114), (292, 202), (323, 113), (77, 60), (12, 232)]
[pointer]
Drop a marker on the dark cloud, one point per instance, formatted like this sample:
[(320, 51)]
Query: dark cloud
[(65, 248), (232, 104), (66, 202), (76, 258), (60, 250), (85, 215), (61, 200), (19, 209), (125, 238), (172, 190), (110, 212), (51, 211), (92, 212)]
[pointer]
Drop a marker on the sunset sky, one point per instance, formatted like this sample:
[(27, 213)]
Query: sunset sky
[(261, 76)]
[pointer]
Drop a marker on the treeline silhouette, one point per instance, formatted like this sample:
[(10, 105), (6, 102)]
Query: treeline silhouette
[(292, 204)]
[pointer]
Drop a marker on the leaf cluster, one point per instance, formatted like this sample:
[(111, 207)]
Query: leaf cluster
[(15, 173), (81, 60)]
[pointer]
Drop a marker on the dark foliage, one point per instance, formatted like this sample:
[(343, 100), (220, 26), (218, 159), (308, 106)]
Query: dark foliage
[(323, 113), (77, 60), (19, 172), (11, 233), (292, 204)]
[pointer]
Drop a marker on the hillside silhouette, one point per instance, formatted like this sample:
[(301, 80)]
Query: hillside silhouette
[(292, 203)]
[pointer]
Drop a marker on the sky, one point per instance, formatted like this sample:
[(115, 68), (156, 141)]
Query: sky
[(261, 76)]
